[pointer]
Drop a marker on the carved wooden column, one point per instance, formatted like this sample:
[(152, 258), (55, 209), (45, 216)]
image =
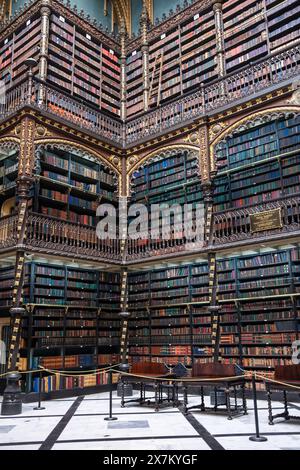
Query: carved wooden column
[(145, 55), (205, 173), (11, 400), (219, 27), (44, 42), (123, 70), (24, 183)]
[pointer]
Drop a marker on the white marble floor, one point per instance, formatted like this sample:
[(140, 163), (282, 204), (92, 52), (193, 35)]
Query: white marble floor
[(141, 428)]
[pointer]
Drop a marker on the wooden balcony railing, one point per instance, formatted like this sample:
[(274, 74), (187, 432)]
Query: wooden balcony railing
[(70, 109), (234, 225), (13, 99), (8, 231), (138, 249), (51, 234), (271, 72), (165, 117)]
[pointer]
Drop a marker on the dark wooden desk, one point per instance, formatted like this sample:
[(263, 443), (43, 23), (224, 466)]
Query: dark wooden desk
[(149, 375), (226, 373), (290, 375)]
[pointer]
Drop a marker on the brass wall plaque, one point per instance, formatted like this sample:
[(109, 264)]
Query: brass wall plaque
[(267, 220)]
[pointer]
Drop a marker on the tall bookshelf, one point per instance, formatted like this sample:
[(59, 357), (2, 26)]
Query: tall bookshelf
[(68, 324), (161, 328), (258, 165), (8, 176), (71, 187), (245, 32), (82, 65), (17, 47), (283, 23), (134, 82), (259, 311), (172, 180)]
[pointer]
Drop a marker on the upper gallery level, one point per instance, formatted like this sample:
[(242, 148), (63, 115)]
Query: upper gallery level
[(206, 57)]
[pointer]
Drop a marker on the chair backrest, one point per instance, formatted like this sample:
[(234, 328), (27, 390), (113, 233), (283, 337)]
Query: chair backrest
[(149, 368), (180, 370), (214, 370), (291, 372)]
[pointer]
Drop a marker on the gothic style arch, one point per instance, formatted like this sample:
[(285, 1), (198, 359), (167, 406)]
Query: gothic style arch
[(250, 121), (134, 163), (84, 151)]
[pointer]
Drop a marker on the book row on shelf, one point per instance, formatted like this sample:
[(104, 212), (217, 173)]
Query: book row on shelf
[(86, 67), (77, 361), (57, 382), (271, 324)]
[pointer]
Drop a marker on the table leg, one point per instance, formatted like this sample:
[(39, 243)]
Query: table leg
[(286, 410), (269, 397), (227, 392), (202, 400), (123, 394), (185, 399), (141, 392), (156, 390), (244, 400)]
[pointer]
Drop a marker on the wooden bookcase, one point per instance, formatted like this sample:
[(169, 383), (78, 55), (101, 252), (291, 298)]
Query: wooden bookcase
[(72, 323)]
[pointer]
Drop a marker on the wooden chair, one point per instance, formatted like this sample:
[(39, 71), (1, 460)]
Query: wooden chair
[(289, 376)]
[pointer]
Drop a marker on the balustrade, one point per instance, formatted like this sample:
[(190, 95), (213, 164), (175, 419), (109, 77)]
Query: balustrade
[(273, 71), (8, 231), (49, 233), (234, 225)]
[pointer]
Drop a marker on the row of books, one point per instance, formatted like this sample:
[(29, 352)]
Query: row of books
[(58, 382)]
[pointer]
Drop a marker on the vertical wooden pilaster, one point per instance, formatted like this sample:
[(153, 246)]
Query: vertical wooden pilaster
[(24, 182), (145, 55), (124, 313), (219, 28), (123, 70), (44, 42)]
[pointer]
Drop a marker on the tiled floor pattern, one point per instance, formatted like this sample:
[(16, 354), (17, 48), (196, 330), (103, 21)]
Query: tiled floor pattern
[(78, 423)]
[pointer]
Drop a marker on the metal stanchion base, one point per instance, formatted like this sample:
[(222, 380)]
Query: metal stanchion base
[(113, 418), (258, 439), (39, 408)]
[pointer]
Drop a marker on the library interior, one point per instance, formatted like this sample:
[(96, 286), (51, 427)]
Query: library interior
[(150, 225)]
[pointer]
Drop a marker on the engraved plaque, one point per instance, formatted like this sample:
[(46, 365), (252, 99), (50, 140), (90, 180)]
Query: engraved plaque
[(268, 220)]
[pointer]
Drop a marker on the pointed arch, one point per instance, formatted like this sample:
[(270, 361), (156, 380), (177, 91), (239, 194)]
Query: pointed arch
[(251, 120), (134, 163), (69, 145)]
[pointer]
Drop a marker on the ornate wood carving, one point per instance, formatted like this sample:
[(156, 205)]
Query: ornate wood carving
[(204, 153)]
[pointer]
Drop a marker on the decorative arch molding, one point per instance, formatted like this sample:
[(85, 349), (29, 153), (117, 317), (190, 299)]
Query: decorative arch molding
[(12, 142), (112, 162), (134, 163), (81, 151), (248, 122)]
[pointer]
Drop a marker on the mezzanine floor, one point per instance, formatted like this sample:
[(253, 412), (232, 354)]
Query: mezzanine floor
[(78, 424)]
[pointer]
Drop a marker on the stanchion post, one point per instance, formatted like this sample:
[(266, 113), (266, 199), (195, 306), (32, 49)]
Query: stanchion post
[(257, 437), (110, 417), (39, 407)]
